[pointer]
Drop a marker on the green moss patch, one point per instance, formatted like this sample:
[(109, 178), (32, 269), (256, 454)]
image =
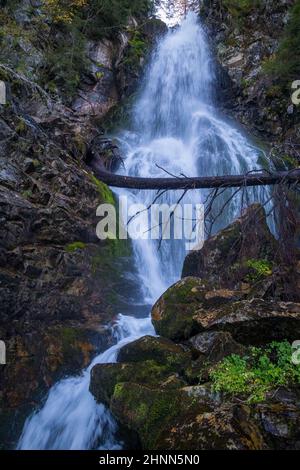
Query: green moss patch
[(145, 410), (105, 193), (173, 314)]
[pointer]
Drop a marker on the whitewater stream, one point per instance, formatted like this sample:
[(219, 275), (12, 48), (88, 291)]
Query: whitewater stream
[(176, 125)]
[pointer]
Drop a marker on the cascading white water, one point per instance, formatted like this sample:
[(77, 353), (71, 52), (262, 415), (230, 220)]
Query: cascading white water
[(70, 418), (176, 126)]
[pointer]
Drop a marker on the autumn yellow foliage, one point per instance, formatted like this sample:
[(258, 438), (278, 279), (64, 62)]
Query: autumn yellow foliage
[(63, 11)]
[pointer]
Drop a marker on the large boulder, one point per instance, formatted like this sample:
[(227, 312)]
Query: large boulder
[(173, 315), (104, 377), (194, 418), (253, 321), (149, 360), (215, 345), (187, 308), (222, 261), (160, 350)]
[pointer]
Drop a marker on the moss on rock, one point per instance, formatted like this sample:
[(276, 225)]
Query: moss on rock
[(161, 350), (105, 377), (174, 314), (106, 195), (145, 410)]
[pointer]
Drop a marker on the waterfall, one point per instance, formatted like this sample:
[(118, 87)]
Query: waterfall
[(174, 124), (172, 12)]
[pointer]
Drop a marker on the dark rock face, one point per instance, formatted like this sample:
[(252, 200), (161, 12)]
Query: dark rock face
[(131, 62), (225, 260), (98, 91), (243, 45), (216, 345), (56, 277), (59, 285), (115, 68), (246, 238)]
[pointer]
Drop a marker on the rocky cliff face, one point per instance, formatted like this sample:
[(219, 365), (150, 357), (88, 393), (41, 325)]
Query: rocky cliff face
[(246, 37), (59, 285)]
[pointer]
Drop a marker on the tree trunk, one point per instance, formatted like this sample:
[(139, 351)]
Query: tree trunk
[(207, 182)]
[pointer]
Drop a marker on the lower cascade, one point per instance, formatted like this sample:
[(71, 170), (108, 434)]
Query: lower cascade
[(176, 128)]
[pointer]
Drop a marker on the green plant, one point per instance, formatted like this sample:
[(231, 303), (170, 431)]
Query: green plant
[(105, 193), (136, 50), (65, 61), (104, 18), (253, 376), (99, 75), (27, 194), (75, 246), (259, 268), (62, 11)]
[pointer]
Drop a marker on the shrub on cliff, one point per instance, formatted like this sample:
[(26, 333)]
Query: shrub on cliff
[(49, 43), (104, 18), (241, 7), (285, 65)]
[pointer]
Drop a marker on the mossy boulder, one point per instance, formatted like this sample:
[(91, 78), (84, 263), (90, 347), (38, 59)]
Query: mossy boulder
[(225, 427), (155, 362), (187, 308), (174, 314), (160, 350), (194, 417), (105, 377), (146, 410)]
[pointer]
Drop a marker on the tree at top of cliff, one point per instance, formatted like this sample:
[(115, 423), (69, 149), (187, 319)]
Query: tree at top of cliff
[(62, 10), (285, 65)]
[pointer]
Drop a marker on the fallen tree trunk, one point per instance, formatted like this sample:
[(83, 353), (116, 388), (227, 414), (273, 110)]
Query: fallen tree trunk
[(206, 182)]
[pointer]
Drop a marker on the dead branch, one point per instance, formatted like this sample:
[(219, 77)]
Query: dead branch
[(261, 178)]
